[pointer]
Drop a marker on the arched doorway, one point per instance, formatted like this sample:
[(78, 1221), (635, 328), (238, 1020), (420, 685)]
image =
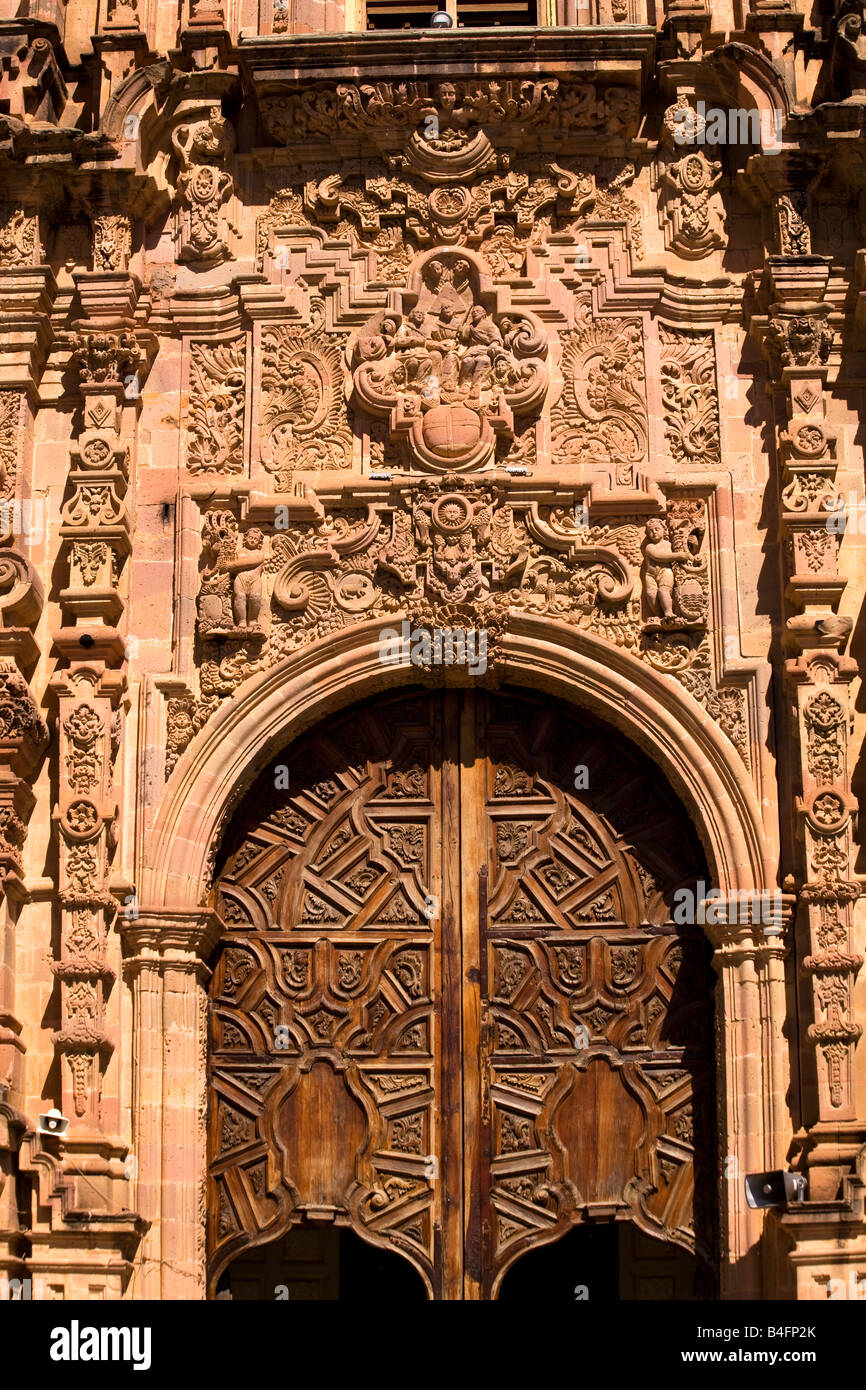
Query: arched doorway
[(450, 1007)]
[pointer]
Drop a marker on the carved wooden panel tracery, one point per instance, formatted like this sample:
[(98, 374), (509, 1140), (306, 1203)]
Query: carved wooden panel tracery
[(450, 1007)]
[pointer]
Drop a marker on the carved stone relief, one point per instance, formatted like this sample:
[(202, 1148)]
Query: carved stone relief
[(450, 365), (690, 209), (690, 396), (302, 412), (601, 416), (454, 112), (449, 553), (217, 398), (204, 184)]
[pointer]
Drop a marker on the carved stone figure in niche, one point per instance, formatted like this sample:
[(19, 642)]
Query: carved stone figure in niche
[(448, 367), (247, 581), (230, 597), (673, 572)]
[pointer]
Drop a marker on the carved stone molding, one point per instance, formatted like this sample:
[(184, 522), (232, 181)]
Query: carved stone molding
[(456, 107)]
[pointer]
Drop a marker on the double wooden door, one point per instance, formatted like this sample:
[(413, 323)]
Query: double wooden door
[(450, 1008)]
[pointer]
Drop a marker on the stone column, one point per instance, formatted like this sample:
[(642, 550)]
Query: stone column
[(168, 975), (752, 1077), (26, 291), (90, 693)]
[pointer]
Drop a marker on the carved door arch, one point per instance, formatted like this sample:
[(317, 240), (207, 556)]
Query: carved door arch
[(450, 1007)]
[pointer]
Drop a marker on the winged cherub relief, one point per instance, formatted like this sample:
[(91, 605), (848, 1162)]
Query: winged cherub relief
[(447, 366)]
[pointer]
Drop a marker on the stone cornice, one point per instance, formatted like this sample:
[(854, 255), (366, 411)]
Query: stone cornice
[(278, 60)]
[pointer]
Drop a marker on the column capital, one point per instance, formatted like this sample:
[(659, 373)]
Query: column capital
[(171, 936)]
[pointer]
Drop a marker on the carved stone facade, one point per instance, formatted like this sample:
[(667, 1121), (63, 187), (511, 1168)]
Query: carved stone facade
[(311, 347)]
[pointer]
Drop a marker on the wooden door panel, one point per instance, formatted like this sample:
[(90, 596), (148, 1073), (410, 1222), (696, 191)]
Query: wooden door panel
[(597, 1008), (329, 1075)]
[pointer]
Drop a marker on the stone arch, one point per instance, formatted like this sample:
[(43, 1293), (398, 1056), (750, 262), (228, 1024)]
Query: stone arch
[(175, 930), (701, 764)]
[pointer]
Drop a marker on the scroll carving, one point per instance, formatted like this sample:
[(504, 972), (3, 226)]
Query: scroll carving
[(216, 407), (601, 416), (19, 236), (10, 441), (690, 396), (302, 413), (457, 107)]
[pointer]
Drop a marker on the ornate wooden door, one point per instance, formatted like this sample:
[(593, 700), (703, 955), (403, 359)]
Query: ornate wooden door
[(594, 1070), (449, 1008)]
